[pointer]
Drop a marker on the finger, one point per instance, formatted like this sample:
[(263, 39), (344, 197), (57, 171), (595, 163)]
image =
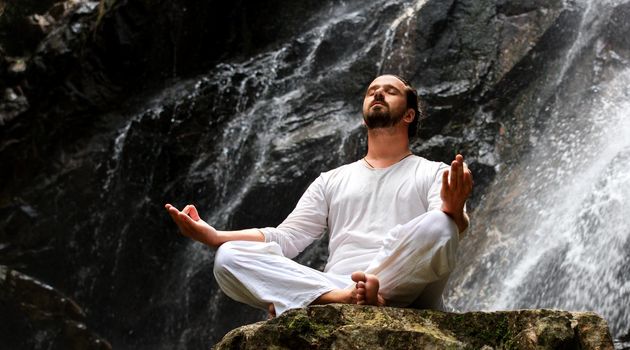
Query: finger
[(445, 186), (172, 211), (467, 171), (186, 220), (186, 224), (186, 209), (454, 173), (194, 214), (468, 177), (468, 182), (459, 158), (167, 206), (189, 224), (176, 215), (460, 173)]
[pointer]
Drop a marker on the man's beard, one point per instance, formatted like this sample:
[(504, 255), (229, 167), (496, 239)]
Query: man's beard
[(380, 119)]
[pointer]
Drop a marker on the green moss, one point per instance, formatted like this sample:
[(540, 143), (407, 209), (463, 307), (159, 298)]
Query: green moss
[(345, 326), (304, 325), (303, 331), (477, 328)]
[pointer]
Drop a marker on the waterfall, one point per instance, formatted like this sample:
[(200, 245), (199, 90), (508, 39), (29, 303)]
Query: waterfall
[(562, 235), (534, 94)]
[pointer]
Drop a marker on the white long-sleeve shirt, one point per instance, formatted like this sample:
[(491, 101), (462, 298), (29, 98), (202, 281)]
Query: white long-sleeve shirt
[(358, 205)]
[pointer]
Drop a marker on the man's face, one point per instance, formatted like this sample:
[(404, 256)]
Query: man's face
[(385, 102)]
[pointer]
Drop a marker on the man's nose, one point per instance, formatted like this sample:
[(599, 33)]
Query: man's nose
[(378, 94)]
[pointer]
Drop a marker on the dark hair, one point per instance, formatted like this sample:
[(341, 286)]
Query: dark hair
[(414, 102)]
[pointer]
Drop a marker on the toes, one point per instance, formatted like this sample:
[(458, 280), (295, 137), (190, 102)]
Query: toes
[(272, 311), (372, 280), (371, 290), (358, 276), (366, 288), (360, 293), (360, 299)]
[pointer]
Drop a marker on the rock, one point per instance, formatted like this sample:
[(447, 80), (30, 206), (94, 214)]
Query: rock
[(623, 343), (12, 105), (339, 326), (37, 316), (109, 107)]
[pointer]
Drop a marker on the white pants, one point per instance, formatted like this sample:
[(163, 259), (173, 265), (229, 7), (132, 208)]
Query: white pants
[(412, 266)]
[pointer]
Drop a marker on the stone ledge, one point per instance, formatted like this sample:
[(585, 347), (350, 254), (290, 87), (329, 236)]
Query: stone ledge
[(339, 326)]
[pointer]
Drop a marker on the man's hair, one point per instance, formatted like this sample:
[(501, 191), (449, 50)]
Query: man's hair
[(416, 103)]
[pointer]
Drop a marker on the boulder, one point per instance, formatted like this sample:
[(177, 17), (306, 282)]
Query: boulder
[(34, 315), (339, 326)]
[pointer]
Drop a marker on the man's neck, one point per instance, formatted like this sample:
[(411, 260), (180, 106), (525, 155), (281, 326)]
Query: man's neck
[(387, 146)]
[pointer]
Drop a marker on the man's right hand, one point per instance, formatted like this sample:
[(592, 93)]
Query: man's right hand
[(192, 226)]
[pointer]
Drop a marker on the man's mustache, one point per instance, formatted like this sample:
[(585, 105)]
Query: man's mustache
[(378, 100)]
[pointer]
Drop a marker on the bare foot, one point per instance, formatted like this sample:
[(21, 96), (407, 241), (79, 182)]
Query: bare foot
[(272, 311), (366, 292)]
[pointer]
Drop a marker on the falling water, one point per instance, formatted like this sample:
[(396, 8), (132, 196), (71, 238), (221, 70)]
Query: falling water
[(563, 239), (236, 139), (575, 255)]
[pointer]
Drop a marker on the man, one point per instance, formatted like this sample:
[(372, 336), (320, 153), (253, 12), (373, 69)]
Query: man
[(394, 221)]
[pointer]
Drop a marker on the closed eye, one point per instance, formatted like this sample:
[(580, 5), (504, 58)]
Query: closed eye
[(389, 89)]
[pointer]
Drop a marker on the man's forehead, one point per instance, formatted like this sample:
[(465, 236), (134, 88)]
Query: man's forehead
[(388, 80)]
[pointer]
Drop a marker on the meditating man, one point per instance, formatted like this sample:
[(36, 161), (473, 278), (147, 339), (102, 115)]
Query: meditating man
[(394, 221)]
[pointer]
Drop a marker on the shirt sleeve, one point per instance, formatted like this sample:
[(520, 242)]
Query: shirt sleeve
[(305, 224), (433, 197)]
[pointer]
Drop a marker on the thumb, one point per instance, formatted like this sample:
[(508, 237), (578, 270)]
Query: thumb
[(194, 214)]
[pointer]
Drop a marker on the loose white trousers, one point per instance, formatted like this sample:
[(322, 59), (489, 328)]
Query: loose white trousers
[(412, 265)]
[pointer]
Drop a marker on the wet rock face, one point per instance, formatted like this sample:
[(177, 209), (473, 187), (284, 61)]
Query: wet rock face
[(74, 58), (577, 92), (361, 327), (36, 316), (98, 129)]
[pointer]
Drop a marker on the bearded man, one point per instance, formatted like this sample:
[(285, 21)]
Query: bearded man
[(394, 219)]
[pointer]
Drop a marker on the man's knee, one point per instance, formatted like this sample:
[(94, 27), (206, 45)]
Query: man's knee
[(437, 227), (239, 255), (444, 237), (225, 259), (228, 271)]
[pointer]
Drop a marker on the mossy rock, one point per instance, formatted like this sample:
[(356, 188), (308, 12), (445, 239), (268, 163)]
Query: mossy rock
[(366, 327)]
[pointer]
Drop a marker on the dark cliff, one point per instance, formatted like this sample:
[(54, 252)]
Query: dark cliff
[(111, 108)]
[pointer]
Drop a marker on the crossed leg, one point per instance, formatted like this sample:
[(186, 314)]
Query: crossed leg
[(413, 256), (420, 253), (365, 292), (258, 274)]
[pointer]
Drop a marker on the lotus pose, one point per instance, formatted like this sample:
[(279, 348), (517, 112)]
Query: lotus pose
[(394, 221)]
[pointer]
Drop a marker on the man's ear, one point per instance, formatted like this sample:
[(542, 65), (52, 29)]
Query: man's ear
[(409, 116)]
